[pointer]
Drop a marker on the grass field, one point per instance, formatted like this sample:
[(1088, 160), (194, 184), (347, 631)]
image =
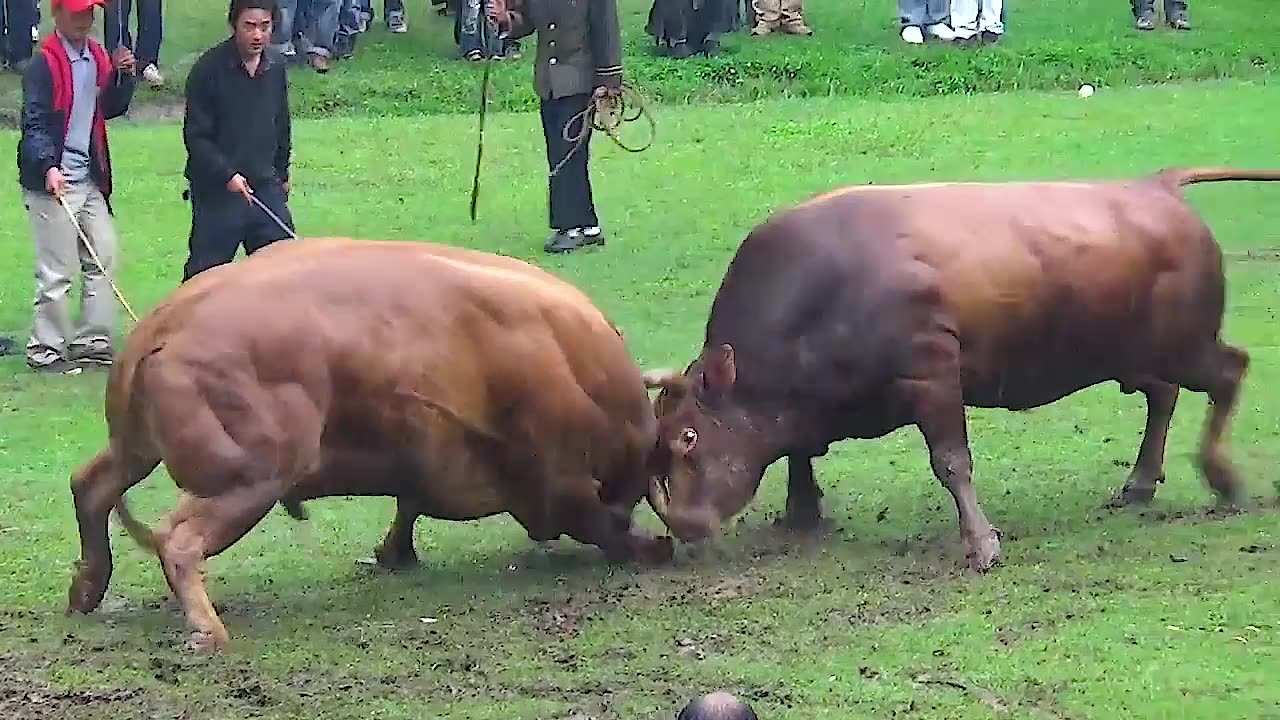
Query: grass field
[(1169, 611), (855, 51)]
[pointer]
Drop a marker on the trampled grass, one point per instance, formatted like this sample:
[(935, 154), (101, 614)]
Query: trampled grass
[(1094, 614), (855, 51)]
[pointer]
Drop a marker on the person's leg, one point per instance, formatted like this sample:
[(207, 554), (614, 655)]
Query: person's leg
[(93, 338), (990, 20), (964, 18), (911, 13), (55, 256), (261, 229), (218, 221), (348, 30), (937, 16), (393, 13), (282, 36), (791, 18), (321, 32), (150, 36), (18, 43), (767, 14), (571, 206), (115, 24), (1175, 13), (468, 23), (1144, 11)]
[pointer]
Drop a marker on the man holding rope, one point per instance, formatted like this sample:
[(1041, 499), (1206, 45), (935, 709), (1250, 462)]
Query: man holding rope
[(69, 90), (238, 137), (578, 66)]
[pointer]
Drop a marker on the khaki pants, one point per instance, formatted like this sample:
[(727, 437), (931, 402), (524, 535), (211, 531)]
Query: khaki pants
[(58, 254), (772, 13)]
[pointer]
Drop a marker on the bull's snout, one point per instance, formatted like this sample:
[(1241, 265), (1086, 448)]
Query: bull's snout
[(688, 525)]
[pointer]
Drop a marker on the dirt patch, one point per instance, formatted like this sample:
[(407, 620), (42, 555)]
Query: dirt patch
[(24, 696)]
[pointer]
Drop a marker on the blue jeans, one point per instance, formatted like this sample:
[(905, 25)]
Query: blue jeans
[(473, 30), (313, 22), (115, 21)]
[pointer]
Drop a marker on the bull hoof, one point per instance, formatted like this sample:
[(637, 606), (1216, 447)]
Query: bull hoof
[(205, 642), (87, 590), (1132, 494), (983, 553), (392, 560), (799, 522)]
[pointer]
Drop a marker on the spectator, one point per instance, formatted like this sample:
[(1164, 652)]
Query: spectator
[(924, 16), (682, 30), (238, 139), (392, 14), (475, 32), (784, 15), (314, 24), (977, 20), (579, 59), (150, 33), (1175, 13), (717, 706), (63, 157), (19, 22)]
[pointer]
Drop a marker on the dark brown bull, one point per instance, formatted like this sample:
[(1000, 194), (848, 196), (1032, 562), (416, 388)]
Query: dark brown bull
[(872, 308), (461, 383)]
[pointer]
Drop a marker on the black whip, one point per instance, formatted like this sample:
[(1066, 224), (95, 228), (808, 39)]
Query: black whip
[(484, 98)]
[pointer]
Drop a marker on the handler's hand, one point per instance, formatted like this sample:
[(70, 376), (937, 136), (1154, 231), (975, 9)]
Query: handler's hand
[(124, 60), (286, 186), (54, 182), (237, 184)]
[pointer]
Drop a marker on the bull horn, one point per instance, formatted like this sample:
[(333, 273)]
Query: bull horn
[(660, 378)]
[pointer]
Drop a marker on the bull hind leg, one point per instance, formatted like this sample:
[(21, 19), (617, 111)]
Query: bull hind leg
[(804, 497), (1218, 371), (200, 528), (95, 489), (1148, 469), (396, 551)]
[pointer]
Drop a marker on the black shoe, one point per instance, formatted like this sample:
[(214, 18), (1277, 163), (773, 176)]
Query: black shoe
[(6, 345), (1180, 23), (570, 240), (991, 38), (711, 48), (681, 50), (57, 367)]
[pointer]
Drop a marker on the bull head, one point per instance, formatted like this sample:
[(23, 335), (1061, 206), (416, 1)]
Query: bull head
[(705, 466)]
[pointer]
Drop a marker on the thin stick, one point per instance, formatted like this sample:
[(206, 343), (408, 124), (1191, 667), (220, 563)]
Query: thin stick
[(120, 296)]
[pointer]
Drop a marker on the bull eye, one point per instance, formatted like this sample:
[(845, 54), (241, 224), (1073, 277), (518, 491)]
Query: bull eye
[(689, 438)]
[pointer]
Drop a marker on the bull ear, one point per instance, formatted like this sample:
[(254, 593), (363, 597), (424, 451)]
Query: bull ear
[(719, 368)]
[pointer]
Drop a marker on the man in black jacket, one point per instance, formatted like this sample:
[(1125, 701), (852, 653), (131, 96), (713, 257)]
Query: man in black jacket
[(579, 59), (237, 134), (69, 90)]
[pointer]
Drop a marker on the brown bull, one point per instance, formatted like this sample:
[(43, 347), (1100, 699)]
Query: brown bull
[(872, 308), (461, 383)]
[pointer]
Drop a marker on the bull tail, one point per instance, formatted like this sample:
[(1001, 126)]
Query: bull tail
[(146, 538), (1181, 177)]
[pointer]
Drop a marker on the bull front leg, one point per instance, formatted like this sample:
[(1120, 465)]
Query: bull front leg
[(804, 497), (937, 399), (396, 551)]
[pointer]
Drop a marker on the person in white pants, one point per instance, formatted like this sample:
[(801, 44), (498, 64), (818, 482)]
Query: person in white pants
[(977, 20), (924, 16)]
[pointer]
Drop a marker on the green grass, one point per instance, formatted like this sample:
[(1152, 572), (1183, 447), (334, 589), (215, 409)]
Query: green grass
[(856, 51), (1094, 614)]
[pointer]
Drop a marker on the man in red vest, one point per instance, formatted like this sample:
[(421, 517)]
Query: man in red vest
[(69, 90)]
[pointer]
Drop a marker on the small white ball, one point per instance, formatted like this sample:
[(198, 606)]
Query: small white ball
[(1086, 90)]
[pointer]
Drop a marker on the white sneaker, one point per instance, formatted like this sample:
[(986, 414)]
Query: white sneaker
[(912, 34), (151, 74), (941, 31)]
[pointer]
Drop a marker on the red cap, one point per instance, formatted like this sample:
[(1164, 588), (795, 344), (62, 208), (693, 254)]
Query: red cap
[(79, 5)]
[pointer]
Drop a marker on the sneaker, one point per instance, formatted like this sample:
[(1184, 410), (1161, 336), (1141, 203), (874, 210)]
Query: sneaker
[(396, 22), (1147, 21), (6, 345), (941, 31), (94, 357), (152, 75), (760, 30), (991, 38), (319, 62), (1180, 23), (913, 34), (797, 28)]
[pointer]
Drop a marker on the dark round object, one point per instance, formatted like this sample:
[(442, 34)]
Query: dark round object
[(717, 706)]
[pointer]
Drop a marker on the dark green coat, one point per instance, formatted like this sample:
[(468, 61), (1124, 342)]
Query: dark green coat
[(579, 44)]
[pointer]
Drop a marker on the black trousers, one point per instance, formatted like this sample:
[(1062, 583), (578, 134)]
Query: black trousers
[(16, 19), (222, 221), (115, 21), (1172, 8), (571, 204)]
